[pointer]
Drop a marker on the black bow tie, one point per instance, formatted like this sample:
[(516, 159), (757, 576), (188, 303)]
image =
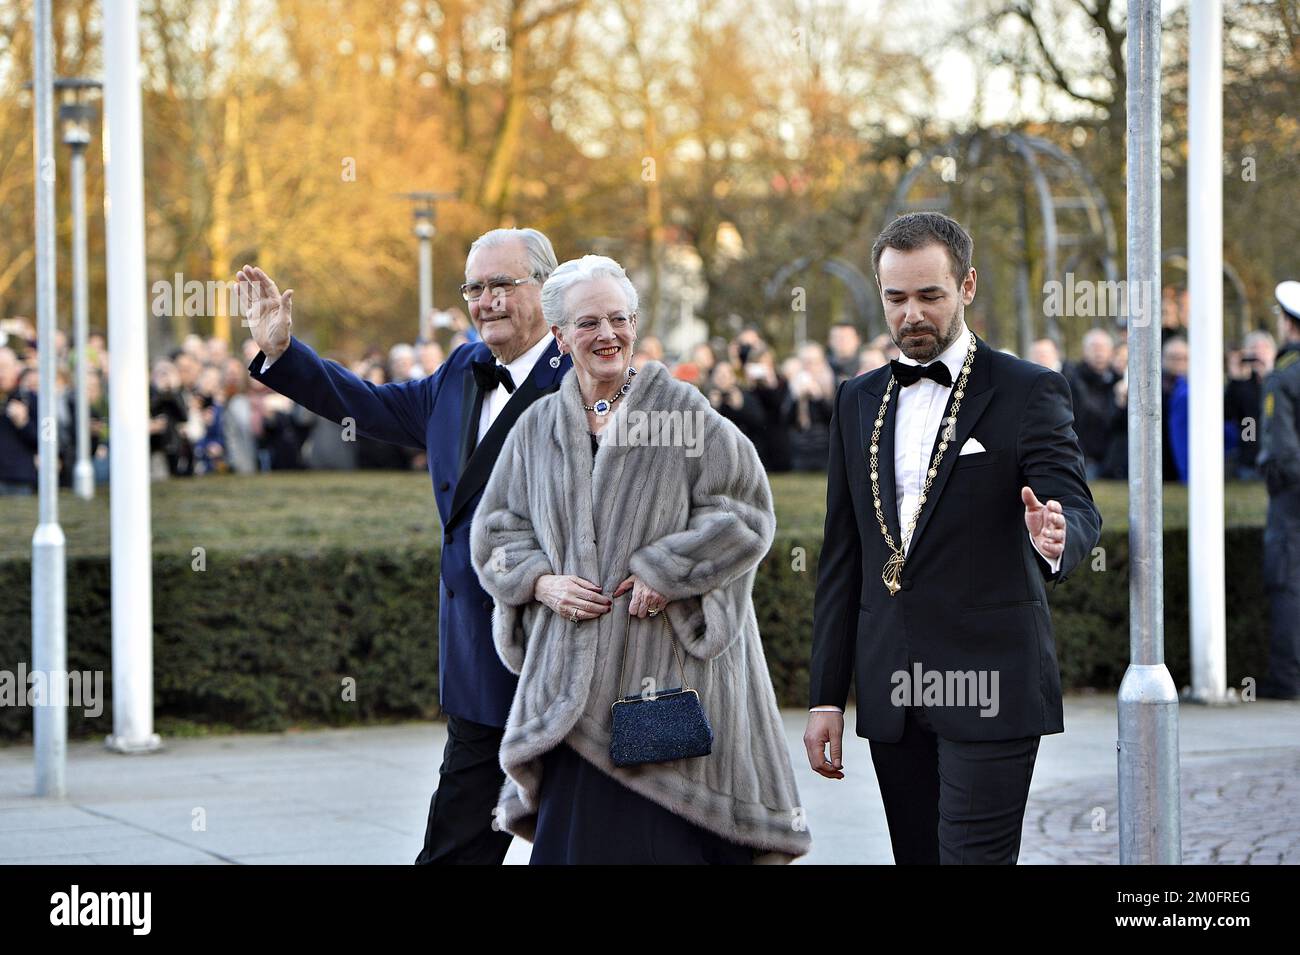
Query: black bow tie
[(488, 374), (910, 374)]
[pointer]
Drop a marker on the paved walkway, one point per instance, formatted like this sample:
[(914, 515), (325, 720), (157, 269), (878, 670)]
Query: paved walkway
[(361, 796)]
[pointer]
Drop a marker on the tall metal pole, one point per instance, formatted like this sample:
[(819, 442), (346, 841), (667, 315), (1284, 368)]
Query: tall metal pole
[(1205, 565), (1024, 317), (1149, 829), (83, 473), (426, 277), (49, 580), (128, 408), (424, 208)]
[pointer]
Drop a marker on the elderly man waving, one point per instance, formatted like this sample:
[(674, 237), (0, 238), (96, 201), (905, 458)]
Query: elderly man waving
[(460, 417)]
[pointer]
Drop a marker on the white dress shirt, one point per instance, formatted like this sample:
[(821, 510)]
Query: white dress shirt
[(519, 369), (916, 425)]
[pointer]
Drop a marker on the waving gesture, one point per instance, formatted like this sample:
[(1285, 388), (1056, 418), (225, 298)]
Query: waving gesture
[(269, 313), (1046, 523)]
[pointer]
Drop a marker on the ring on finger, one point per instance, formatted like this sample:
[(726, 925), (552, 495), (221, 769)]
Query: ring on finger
[(573, 615)]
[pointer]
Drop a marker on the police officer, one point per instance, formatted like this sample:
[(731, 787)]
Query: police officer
[(1279, 461)]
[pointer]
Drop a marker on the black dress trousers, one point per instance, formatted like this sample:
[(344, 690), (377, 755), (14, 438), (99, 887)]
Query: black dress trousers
[(950, 802), (459, 830), (1282, 584)]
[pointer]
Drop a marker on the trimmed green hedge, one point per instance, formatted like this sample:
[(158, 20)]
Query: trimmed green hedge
[(265, 641)]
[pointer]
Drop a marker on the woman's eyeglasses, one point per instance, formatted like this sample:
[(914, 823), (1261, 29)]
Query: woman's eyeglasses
[(616, 322)]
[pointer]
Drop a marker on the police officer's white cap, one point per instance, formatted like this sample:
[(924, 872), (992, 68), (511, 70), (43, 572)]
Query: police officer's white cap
[(1288, 296)]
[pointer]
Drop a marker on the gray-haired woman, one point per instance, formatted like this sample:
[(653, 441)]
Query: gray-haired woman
[(618, 502)]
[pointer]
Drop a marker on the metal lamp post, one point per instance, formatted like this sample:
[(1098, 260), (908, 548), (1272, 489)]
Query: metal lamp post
[(76, 118), (49, 570), (128, 385), (424, 210), (424, 230), (1205, 552), (1149, 817)]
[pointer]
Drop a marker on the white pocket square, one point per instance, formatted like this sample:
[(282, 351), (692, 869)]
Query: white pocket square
[(971, 447)]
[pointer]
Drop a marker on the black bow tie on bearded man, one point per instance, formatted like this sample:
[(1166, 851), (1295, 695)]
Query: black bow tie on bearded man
[(488, 375), (911, 374)]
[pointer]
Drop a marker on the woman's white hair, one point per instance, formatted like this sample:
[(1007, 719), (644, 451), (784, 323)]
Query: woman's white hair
[(555, 292)]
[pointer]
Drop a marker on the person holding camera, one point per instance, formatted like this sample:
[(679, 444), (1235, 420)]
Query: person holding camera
[(1243, 400)]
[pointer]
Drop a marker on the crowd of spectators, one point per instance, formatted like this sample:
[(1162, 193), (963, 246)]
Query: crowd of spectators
[(1099, 387), (208, 416)]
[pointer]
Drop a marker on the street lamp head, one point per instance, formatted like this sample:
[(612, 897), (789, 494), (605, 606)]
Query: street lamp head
[(76, 115), (74, 123), (424, 209)]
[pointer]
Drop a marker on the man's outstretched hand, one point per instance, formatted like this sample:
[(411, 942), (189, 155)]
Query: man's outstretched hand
[(268, 313), (1046, 523)]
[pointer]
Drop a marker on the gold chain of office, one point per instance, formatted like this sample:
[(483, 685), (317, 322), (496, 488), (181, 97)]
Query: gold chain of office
[(893, 570)]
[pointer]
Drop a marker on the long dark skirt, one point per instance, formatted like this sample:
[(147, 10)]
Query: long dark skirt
[(586, 818)]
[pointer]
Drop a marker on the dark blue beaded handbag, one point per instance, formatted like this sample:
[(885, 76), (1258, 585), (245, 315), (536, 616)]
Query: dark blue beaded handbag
[(658, 727)]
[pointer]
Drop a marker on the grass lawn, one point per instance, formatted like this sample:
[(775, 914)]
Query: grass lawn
[(304, 510)]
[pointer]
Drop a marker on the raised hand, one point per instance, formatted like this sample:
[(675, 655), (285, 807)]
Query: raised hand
[(269, 314), (1046, 523), (16, 412)]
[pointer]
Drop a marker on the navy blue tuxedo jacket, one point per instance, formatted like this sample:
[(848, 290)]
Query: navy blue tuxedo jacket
[(438, 415)]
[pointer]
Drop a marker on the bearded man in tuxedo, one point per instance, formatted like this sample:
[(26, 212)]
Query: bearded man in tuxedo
[(955, 492)]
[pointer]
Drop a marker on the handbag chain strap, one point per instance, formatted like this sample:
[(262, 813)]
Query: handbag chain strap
[(627, 622)]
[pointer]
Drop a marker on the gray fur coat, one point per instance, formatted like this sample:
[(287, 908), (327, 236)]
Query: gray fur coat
[(692, 517)]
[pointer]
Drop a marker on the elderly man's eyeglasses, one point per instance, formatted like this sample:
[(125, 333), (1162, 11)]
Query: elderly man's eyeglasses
[(499, 286), (616, 322)]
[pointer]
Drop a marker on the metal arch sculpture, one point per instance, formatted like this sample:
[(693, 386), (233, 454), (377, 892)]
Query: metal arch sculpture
[(1241, 323), (1061, 186), (850, 275)]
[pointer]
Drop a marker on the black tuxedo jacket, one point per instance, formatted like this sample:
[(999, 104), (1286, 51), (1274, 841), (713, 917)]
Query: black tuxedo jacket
[(973, 592)]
